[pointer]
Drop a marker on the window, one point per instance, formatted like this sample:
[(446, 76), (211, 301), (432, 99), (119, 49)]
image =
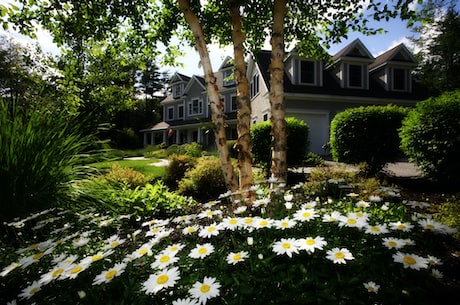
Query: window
[(229, 78), (355, 76), (180, 114), (195, 107), (170, 113), (265, 118), (399, 79), (307, 72), (177, 90), (233, 106), (255, 85)]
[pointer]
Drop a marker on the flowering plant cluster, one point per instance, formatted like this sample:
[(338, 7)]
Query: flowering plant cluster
[(286, 248)]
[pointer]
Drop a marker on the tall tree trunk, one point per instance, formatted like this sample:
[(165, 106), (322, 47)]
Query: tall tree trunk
[(214, 100), (279, 138), (244, 105)]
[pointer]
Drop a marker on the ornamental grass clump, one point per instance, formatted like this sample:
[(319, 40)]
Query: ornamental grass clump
[(373, 247)]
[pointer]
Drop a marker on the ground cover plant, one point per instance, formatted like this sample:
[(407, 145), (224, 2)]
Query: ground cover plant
[(335, 241)]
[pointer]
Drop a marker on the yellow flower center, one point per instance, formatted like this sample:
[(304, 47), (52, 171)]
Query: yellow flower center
[(164, 259), (38, 255), (56, 273), (109, 275), (162, 279), (205, 288), (306, 214), (375, 229), (359, 214), (248, 220), (209, 213), (142, 251), (392, 243), (332, 219), (429, 226), (233, 221), (284, 224), (351, 221), (286, 245), (202, 250), (96, 257), (310, 241), (409, 260), (191, 230), (174, 249), (402, 226), (114, 244), (237, 257), (263, 223), (339, 255), (76, 269), (33, 290), (211, 229)]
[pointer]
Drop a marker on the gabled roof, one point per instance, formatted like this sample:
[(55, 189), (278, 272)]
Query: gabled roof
[(227, 63), (195, 79), (354, 50), (178, 77), (399, 54)]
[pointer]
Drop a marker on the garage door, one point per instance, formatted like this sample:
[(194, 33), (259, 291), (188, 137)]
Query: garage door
[(319, 129)]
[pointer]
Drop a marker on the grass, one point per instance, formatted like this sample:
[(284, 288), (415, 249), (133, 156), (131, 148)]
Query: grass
[(143, 166)]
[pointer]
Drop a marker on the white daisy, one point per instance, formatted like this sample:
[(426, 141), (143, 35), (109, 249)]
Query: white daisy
[(240, 210), (286, 246), (285, 223), (305, 214), (352, 221), (186, 301), (371, 287), (74, 270), (433, 260), (174, 248), (9, 268), (401, 226), (96, 257), (376, 229), (112, 242), (231, 223), (142, 250), (205, 290), (411, 261), (362, 204), (234, 258), (436, 273), (430, 224), (309, 244), (309, 205), (54, 273), (393, 243), (209, 231), (209, 213), (333, 217), (201, 251), (190, 229), (375, 198), (339, 256), (260, 223), (163, 260), (161, 280), (30, 291), (288, 197), (107, 275)]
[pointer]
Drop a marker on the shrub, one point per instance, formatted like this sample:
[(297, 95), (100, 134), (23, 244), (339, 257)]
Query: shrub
[(297, 142), (40, 155), (178, 166), (192, 149), (205, 181), (127, 139), (172, 149), (124, 177), (312, 159), (367, 134), (430, 136)]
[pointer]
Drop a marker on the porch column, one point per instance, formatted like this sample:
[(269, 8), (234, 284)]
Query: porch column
[(165, 139), (152, 138), (198, 137), (145, 138), (178, 136)]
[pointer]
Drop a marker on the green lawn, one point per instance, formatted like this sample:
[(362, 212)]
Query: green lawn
[(143, 166)]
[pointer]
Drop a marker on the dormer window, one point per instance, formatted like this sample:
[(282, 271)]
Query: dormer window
[(195, 107), (177, 90), (355, 76), (229, 78), (307, 72), (170, 113), (400, 79)]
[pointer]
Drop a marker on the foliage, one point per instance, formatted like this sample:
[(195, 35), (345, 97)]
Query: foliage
[(41, 154), (191, 149), (127, 139), (143, 166), (278, 263), (297, 142), (204, 181), (312, 159), (439, 50), (123, 177), (178, 166), (367, 134), (430, 136)]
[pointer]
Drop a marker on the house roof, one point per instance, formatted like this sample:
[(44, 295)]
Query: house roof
[(399, 54), (159, 126), (355, 49), (332, 87)]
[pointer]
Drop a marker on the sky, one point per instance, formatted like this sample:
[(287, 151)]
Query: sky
[(396, 33)]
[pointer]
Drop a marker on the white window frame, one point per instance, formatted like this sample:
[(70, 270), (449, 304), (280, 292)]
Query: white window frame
[(179, 116), (299, 74), (170, 113), (255, 83), (233, 109), (229, 77), (199, 106)]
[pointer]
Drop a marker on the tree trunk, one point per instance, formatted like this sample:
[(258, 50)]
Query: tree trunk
[(214, 100), (243, 104), (279, 138)]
